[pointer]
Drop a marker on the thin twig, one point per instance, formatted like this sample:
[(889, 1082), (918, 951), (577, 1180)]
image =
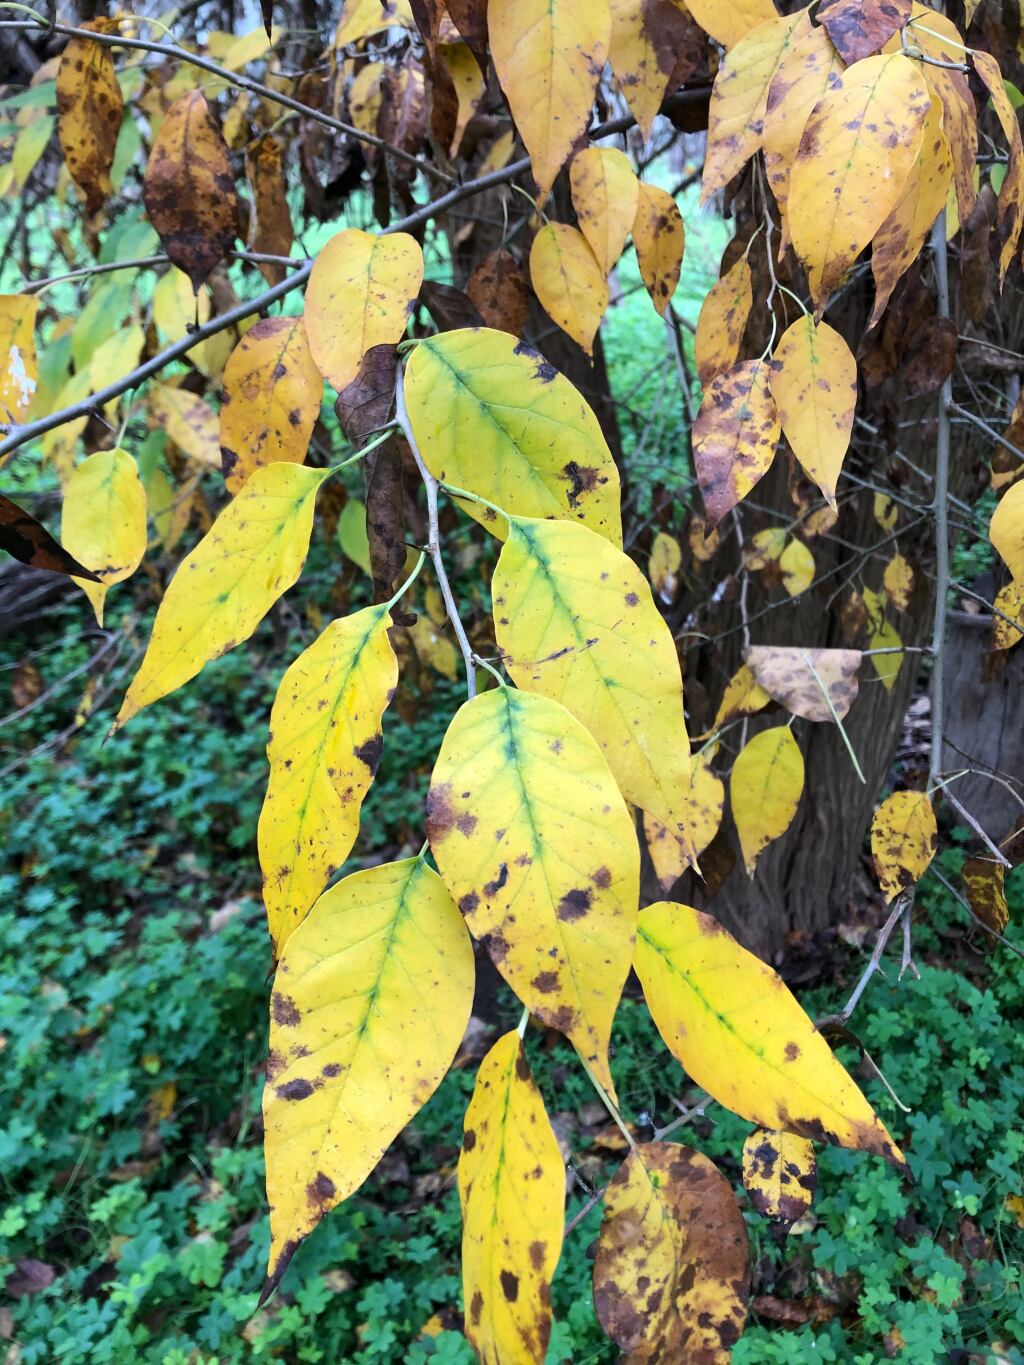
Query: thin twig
[(941, 508)]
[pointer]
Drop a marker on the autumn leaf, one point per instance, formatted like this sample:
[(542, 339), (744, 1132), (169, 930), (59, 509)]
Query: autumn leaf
[(103, 522), (663, 565), (1006, 530), (537, 848), (734, 436), (796, 564), (728, 24), (702, 806), (722, 321), (813, 379), (743, 696), (89, 108), (764, 790), (189, 421), (741, 1035), (903, 838), (780, 1174), (860, 27), (500, 293), (898, 581), (605, 195), (1008, 622), (1011, 192), (271, 232), (28, 541), (19, 373), (468, 83), (371, 1000), (800, 678), (985, 882), (647, 38), (569, 282), (361, 18), (659, 237)]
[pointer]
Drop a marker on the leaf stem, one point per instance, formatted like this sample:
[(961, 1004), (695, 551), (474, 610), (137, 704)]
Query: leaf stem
[(455, 492), (606, 1100), (408, 583), (835, 715)]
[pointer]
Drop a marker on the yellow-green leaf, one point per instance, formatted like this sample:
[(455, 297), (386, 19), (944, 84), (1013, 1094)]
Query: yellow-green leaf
[(492, 416), (103, 521), (19, 370), (780, 1174), (252, 554), (741, 1035), (797, 565), (1006, 530), (723, 320), (569, 282), (324, 747), (764, 790), (352, 535), (360, 18), (360, 294), (605, 195), (538, 849), (814, 384), (734, 436), (903, 838), (882, 635), (659, 237), (371, 1000), (512, 1193), (89, 107)]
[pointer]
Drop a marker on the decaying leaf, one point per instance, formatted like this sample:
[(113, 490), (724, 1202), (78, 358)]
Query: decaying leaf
[(898, 581), (271, 232), (800, 678), (659, 237), (734, 436), (986, 892), (500, 293), (860, 27), (764, 790), (903, 839), (27, 540), (647, 39), (605, 195), (89, 108), (722, 321), (780, 1174), (189, 421), (103, 522), (1008, 625), (569, 282)]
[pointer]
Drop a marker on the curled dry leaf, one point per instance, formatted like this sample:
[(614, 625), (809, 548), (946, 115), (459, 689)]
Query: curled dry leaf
[(800, 678), (764, 790), (734, 436), (189, 191), (903, 839), (813, 380), (89, 109), (780, 1174), (1011, 192), (605, 195), (271, 232), (672, 1271), (1008, 625), (103, 522), (28, 541), (500, 292), (742, 1036), (986, 892), (860, 27), (659, 238), (569, 282), (723, 320)]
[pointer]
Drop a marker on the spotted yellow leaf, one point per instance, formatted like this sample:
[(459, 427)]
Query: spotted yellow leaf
[(605, 194), (646, 39), (1008, 625), (189, 421), (814, 384), (89, 107), (764, 790), (103, 521), (722, 321), (734, 436), (659, 237), (903, 837), (569, 282), (702, 809), (898, 581), (817, 684), (19, 368), (780, 1174)]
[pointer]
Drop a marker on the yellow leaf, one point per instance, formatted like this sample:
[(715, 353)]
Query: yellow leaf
[(727, 24), (324, 747), (985, 881), (240, 49), (701, 808), (537, 847), (272, 392), (741, 1035), (365, 96), (659, 238), (605, 195), (360, 18), (252, 554), (360, 294), (799, 678), (744, 696), (19, 373), (882, 635), (176, 308), (371, 1000), (780, 1174), (765, 788), (434, 648), (898, 580), (903, 836), (886, 511), (594, 640), (856, 152), (672, 1271), (797, 565), (499, 153), (29, 146), (468, 82), (512, 1193), (492, 416), (1009, 601), (352, 534), (114, 357), (103, 521), (765, 547), (549, 55), (814, 383), (702, 543), (739, 98), (722, 321), (89, 105), (663, 566), (734, 436), (1006, 530), (189, 421), (568, 282), (646, 39)]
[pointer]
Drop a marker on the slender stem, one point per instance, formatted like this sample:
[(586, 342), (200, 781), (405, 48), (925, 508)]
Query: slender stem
[(408, 584), (354, 459), (608, 1103), (957, 411), (456, 492), (835, 716), (524, 1019), (941, 508)]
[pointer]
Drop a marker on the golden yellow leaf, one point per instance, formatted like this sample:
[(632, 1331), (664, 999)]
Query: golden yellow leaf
[(722, 321), (568, 282), (324, 747), (814, 383), (744, 696), (371, 1000), (659, 238), (882, 635), (360, 18), (492, 416), (235, 51), (605, 195), (672, 1271), (468, 83), (89, 108), (512, 1193), (1009, 601), (1006, 530), (189, 421), (856, 152), (797, 565), (19, 373), (799, 678), (903, 837), (728, 23), (252, 554), (360, 294), (595, 641), (765, 547), (663, 565), (365, 96), (103, 521), (647, 37), (549, 55), (764, 790), (741, 1035), (886, 511), (702, 542), (985, 882), (272, 393), (898, 580), (739, 98), (176, 308), (537, 847), (734, 436), (701, 808), (780, 1174)]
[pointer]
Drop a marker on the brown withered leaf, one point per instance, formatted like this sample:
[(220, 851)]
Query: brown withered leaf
[(796, 677), (734, 436), (860, 27), (470, 18), (428, 15), (89, 110), (26, 684), (189, 191), (271, 232), (29, 1277), (403, 114), (500, 292), (267, 13), (780, 1173), (814, 1308), (449, 307), (30, 542), (984, 880), (672, 1272)]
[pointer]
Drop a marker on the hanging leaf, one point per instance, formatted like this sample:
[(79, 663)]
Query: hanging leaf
[(500, 293), (780, 1174), (252, 554), (189, 191), (903, 838), (25, 539), (701, 809), (672, 1271), (727, 24), (722, 321), (882, 636), (512, 1193), (598, 644), (362, 18), (1008, 628), (89, 109), (189, 421), (797, 566), (986, 892), (860, 27), (898, 581), (324, 747), (103, 522), (549, 55), (353, 537), (1011, 192), (799, 678), (371, 999), (734, 436), (856, 152), (659, 238), (741, 1035), (813, 380), (647, 37), (568, 282), (360, 295), (765, 789), (605, 195), (19, 373), (271, 233), (272, 392), (468, 83), (492, 416), (744, 696), (537, 847), (1006, 530), (663, 565)]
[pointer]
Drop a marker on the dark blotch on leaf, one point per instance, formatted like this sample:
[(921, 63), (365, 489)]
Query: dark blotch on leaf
[(370, 752), (510, 1285)]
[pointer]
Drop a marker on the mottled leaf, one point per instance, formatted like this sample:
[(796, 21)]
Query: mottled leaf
[(860, 27), (103, 522), (271, 232), (605, 195), (734, 436), (813, 380), (89, 108), (189, 421), (1011, 192), (500, 293), (659, 238), (780, 1174), (722, 321), (903, 838), (764, 790), (646, 39), (702, 808), (19, 370), (799, 678), (986, 892)]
